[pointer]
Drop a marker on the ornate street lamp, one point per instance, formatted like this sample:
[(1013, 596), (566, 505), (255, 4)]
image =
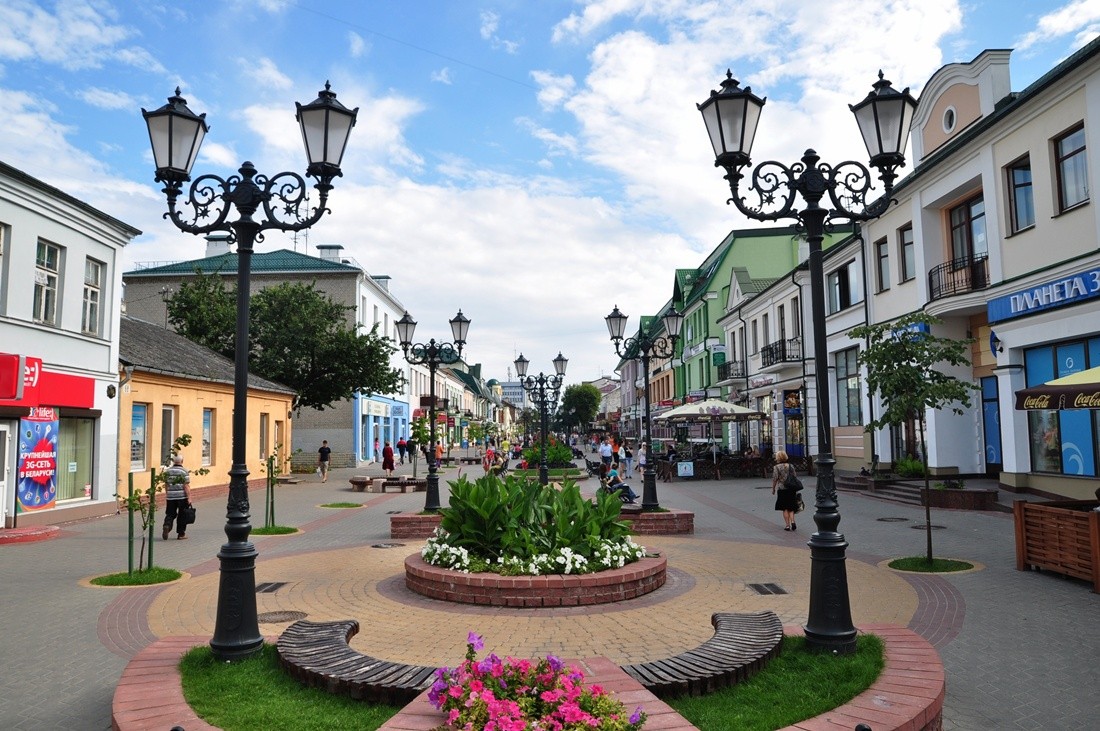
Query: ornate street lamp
[(644, 346), (432, 355), (544, 392), (176, 133), (884, 118)]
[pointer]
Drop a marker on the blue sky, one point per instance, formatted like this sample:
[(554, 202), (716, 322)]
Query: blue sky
[(534, 163)]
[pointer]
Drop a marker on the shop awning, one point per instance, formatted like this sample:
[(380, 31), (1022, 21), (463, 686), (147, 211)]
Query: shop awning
[(1075, 391)]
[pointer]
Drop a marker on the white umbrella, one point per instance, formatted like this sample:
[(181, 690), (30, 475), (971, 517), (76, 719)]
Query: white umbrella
[(710, 410)]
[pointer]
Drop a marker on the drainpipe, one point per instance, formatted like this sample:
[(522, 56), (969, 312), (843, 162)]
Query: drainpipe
[(866, 321), (805, 377), (128, 374)]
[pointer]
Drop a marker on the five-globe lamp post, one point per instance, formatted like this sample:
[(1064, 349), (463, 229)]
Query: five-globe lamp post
[(884, 117), (282, 203), (432, 354), (644, 346), (544, 392)]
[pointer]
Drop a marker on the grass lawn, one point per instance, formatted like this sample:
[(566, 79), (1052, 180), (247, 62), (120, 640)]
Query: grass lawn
[(797, 685), (155, 575), (273, 530), (938, 565), (794, 686)]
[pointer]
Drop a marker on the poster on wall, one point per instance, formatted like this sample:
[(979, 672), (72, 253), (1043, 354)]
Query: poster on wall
[(36, 485)]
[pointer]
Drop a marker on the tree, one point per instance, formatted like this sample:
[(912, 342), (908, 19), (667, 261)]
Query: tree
[(903, 360), (297, 336), (579, 405)]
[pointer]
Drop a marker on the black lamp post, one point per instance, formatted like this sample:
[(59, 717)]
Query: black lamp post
[(884, 117), (544, 392), (432, 355), (176, 134), (644, 346)]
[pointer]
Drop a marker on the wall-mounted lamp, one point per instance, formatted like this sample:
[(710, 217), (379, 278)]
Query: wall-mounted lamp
[(995, 344)]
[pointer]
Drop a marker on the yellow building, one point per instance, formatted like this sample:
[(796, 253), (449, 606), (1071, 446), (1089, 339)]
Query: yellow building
[(171, 386)]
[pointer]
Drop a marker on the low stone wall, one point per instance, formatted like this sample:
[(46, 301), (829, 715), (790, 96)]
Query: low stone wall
[(672, 522), (615, 585), (407, 526)]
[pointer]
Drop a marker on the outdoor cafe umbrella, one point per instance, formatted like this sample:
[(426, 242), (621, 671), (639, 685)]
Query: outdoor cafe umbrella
[(710, 410), (1076, 391)]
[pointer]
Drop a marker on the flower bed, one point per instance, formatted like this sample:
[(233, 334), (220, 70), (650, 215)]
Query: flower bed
[(520, 694), (555, 590)]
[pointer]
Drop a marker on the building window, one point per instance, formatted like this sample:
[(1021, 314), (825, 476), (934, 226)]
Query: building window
[(139, 421), (1021, 204), (75, 458), (755, 338), (908, 257), (781, 322), (47, 267), (845, 287), (263, 435), (208, 437), (882, 265), (848, 402), (968, 229), (1066, 441), (765, 328), (796, 318), (93, 284), (1073, 178), (167, 432)]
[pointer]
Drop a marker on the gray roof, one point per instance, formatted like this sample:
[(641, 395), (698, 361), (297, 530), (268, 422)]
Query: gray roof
[(152, 348)]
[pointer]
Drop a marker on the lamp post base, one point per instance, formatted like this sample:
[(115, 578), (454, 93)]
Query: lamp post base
[(431, 494), (649, 489), (829, 625), (236, 628)]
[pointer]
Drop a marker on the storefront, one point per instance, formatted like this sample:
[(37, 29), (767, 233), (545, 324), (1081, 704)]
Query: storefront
[(49, 435), (381, 420), (1043, 332)]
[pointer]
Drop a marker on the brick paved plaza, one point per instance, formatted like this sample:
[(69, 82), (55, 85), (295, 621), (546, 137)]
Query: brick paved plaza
[(1016, 646)]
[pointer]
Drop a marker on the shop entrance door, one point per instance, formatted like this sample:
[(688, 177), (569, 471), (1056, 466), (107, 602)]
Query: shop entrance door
[(7, 480)]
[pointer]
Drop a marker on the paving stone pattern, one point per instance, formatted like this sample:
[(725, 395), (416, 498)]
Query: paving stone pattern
[(1020, 649)]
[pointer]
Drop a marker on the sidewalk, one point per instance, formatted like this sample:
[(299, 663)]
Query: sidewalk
[(1012, 642)]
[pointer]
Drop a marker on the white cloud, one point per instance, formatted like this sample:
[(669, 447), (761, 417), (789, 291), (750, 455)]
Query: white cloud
[(556, 144), (356, 45), (1079, 17), (107, 99), (489, 23), (443, 76), (266, 74), (553, 89), (76, 36)]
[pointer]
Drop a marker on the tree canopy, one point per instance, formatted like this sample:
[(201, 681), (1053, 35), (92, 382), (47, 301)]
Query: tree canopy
[(297, 336), (579, 405)]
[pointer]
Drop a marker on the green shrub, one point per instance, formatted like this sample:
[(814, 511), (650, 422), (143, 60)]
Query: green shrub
[(557, 455), (515, 525), (909, 467)]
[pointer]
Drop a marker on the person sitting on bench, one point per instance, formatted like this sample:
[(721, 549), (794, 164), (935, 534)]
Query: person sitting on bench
[(615, 484)]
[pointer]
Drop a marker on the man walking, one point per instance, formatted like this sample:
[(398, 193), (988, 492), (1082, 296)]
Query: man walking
[(605, 451), (177, 495), (324, 454), (402, 445)]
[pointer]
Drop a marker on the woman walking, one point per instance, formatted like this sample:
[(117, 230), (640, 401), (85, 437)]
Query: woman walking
[(786, 499), (628, 459), (387, 459)]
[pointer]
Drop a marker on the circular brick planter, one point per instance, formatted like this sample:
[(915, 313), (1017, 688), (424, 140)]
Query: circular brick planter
[(604, 587)]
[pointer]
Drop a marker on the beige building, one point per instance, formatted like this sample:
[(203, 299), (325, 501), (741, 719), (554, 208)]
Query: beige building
[(994, 233), (171, 386)]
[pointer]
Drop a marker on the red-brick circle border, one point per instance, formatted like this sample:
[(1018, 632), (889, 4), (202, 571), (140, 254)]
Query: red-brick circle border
[(603, 587)]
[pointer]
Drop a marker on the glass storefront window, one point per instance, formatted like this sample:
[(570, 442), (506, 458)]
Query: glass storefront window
[(1046, 442), (75, 457), (138, 422), (1065, 442)]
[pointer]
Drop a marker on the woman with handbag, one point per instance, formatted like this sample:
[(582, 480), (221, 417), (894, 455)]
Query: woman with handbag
[(786, 480)]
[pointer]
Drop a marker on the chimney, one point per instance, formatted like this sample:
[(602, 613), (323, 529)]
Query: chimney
[(217, 244), (382, 280), (329, 252)]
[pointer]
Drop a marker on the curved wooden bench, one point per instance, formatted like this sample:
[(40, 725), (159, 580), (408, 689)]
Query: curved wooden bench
[(741, 646), (318, 655)]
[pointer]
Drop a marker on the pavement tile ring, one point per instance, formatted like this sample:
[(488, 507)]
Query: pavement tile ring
[(353, 583)]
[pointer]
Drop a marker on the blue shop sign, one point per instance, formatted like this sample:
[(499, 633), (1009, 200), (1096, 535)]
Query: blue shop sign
[(1069, 290)]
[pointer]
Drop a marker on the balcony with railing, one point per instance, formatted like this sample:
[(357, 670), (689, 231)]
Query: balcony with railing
[(731, 369), (958, 276), (781, 351)]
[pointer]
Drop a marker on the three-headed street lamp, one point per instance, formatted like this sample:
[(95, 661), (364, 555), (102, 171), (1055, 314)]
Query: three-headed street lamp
[(432, 354), (643, 346), (544, 392), (884, 118), (176, 134)]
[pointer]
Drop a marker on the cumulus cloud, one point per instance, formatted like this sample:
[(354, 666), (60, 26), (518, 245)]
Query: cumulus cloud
[(266, 74), (553, 89), (107, 98), (490, 22), (73, 35), (442, 76), (1080, 18), (356, 45)]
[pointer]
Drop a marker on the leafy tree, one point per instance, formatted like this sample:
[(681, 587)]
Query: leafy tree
[(297, 336), (579, 405), (903, 361)]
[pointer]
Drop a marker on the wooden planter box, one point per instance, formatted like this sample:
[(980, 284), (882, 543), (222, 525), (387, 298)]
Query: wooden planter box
[(1062, 536)]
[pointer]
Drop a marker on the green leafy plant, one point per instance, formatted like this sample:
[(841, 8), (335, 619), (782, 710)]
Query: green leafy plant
[(557, 455), (909, 467), (515, 525)]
